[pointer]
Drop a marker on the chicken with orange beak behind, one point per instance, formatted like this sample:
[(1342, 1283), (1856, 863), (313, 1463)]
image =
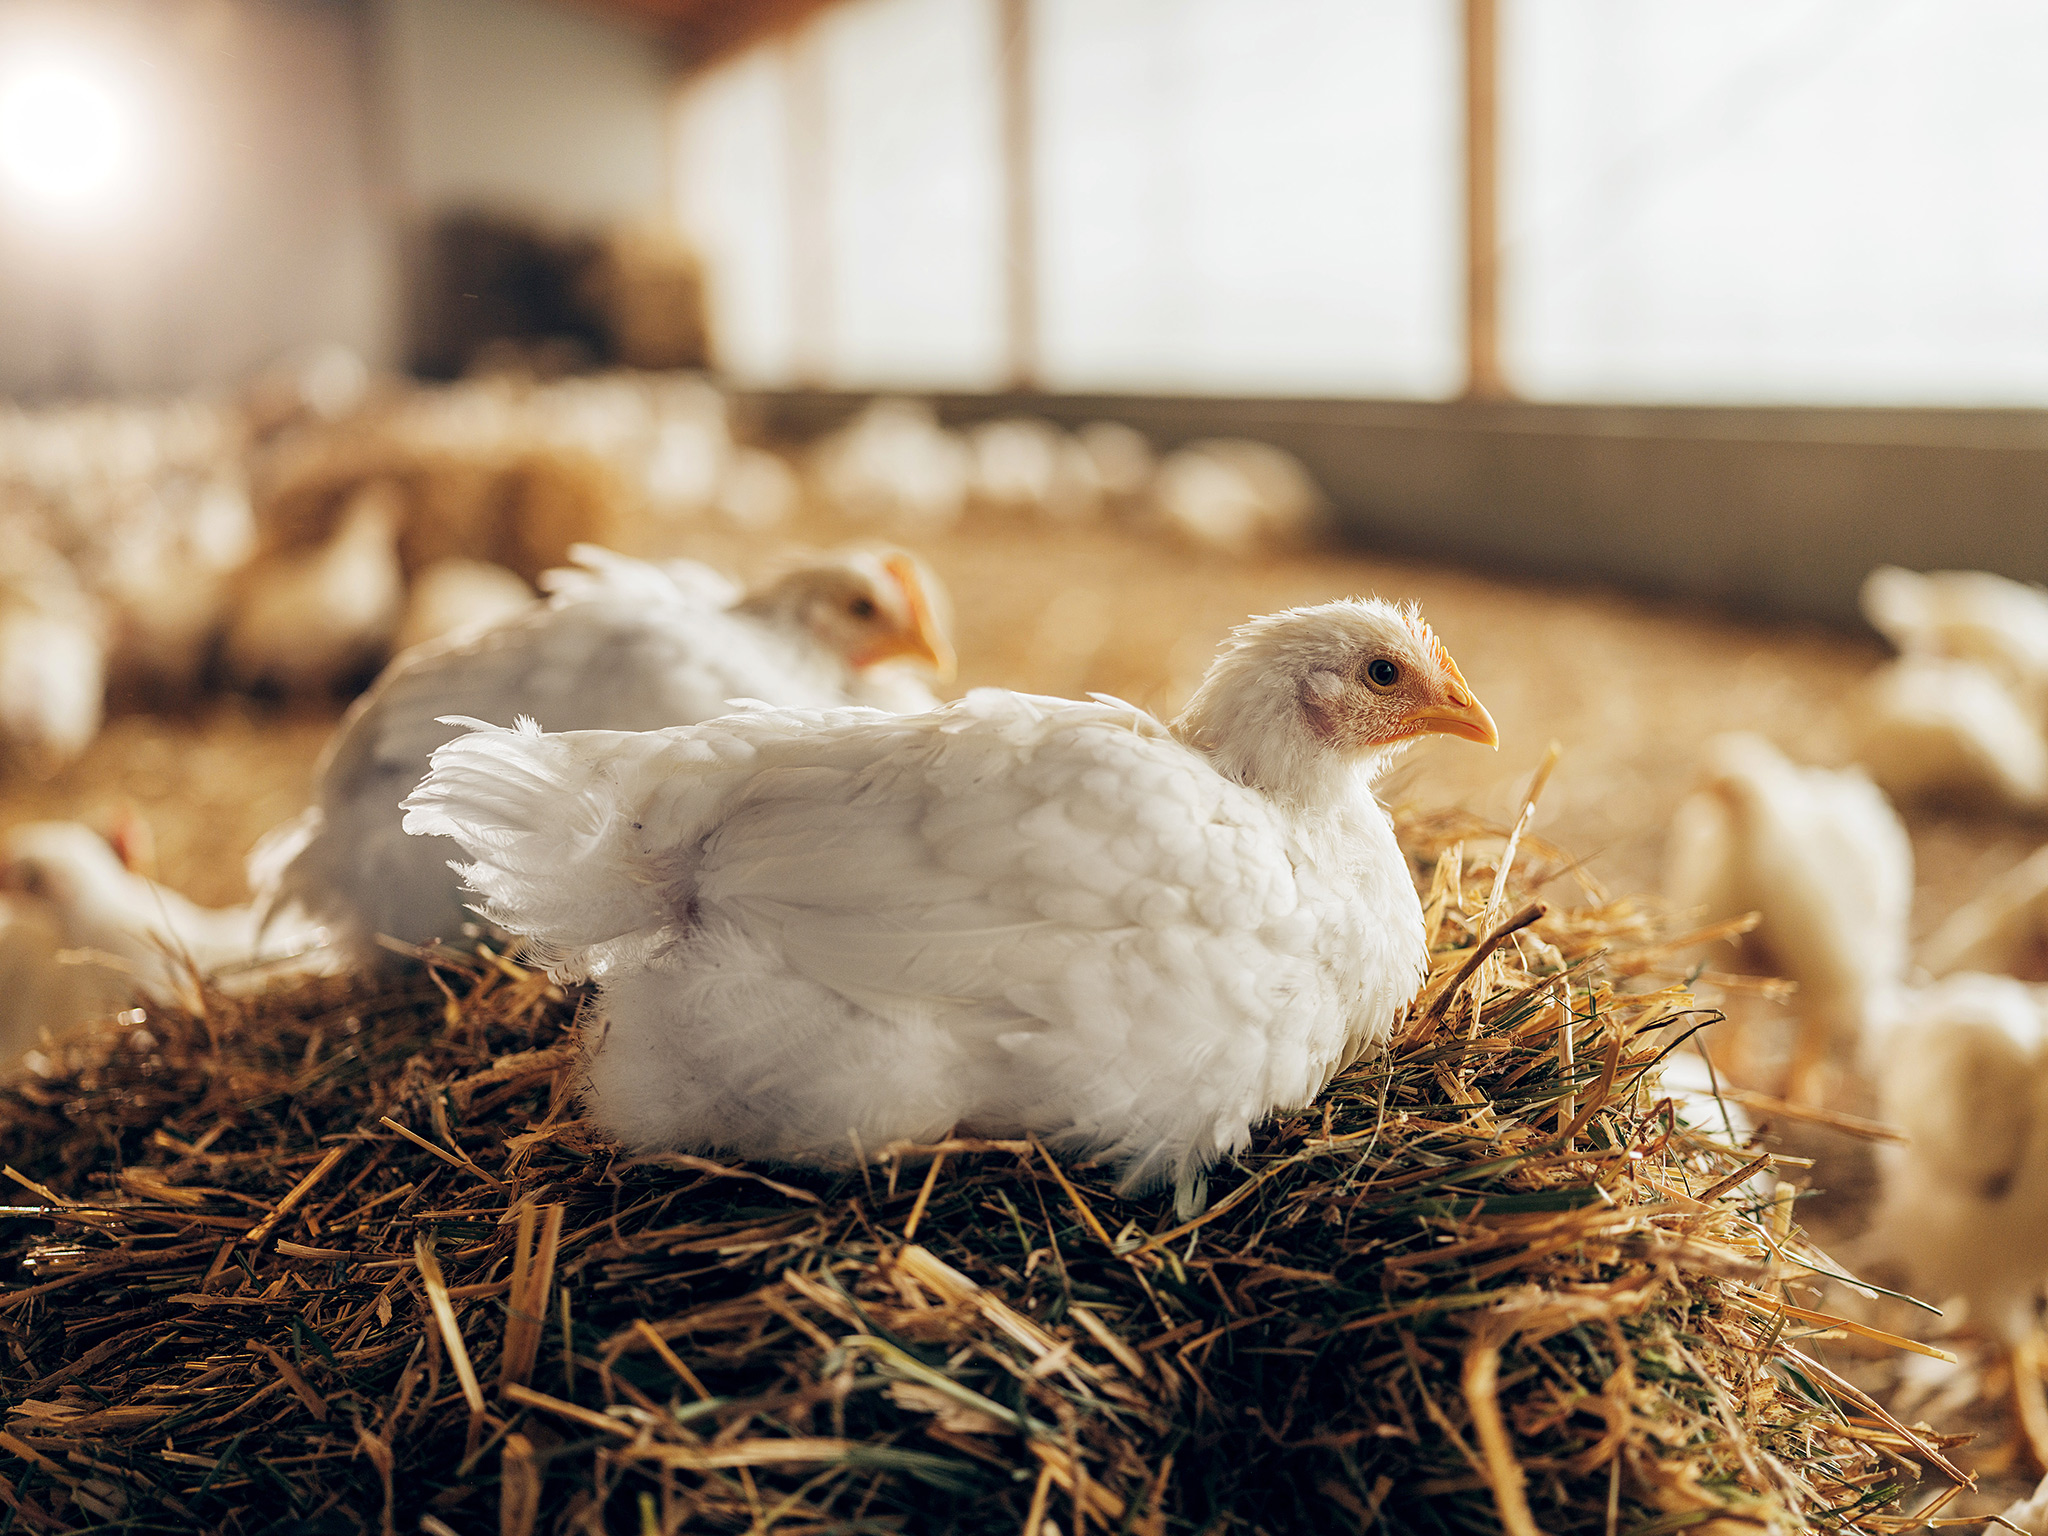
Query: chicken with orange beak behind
[(878, 609), (917, 633), (621, 644), (823, 930)]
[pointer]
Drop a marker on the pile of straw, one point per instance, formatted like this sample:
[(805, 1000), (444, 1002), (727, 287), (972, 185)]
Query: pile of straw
[(339, 1256)]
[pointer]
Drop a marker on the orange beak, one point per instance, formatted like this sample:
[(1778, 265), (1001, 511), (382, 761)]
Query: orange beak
[(925, 638), (1460, 714)]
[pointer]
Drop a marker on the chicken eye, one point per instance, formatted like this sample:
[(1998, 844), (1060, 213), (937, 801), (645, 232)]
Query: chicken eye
[(861, 608), (1382, 673)]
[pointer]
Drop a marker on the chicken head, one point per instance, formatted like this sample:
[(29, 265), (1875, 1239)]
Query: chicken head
[(868, 605)]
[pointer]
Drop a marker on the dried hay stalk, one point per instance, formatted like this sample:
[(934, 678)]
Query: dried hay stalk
[(1484, 1283)]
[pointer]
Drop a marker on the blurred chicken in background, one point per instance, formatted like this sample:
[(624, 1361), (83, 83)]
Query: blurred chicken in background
[(310, 621), (1124, 465), (1025, 467), (1959, 716), (893, 466), (1962, 1210), (1972, 616), (1930, 728), (1824, 859), (88, 934), (53, 655), (1234, 496), (620, 644)]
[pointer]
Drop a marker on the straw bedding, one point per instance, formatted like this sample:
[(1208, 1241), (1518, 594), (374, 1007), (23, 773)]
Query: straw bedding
[(337, 1255)]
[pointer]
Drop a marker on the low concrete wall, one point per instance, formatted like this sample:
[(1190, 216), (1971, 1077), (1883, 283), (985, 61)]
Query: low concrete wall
[(1776, 510)]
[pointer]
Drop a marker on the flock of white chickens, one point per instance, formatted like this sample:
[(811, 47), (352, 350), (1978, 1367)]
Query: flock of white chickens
[(292, 539), (321, 530), (296, 537), (1947, 1042), (825, 912)]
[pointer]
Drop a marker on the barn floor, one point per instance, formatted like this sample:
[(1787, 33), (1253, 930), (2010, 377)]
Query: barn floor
[(1629, 687)]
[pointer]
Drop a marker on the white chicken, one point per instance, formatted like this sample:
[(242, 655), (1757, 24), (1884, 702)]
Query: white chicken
[(321, 383), (53, 656), (1823, 857), (458, 594), (757, 491), (1124, 463), (621, 644), (1964, 1207), (164, 571), (1234, 495), (1969, 616), (2003, 929), (146, 935), (821, 931), (684, 465), (1023, 466), (1933, 728), (895, 466), (310, 621)]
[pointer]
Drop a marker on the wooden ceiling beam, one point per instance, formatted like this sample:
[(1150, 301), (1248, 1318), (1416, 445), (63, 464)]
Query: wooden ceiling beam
[(704, 31), (1484, 377)]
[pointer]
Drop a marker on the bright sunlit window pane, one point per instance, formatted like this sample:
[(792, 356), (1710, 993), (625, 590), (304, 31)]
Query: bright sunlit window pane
[(1776, 200), (1250, 195), (912, 176), (733, 200)]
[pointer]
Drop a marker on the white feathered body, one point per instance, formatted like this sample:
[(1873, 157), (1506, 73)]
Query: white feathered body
[(151, 938), (1821, 855), (823, 931), (53, 654), (1963, 1071), (309, 620), (1234, 495), (1969, 616), (622, 644), (1936, 728)]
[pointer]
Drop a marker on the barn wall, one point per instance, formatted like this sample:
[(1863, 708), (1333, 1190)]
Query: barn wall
[(1774, 510), (305, 143), (527, 105), (256, 227)]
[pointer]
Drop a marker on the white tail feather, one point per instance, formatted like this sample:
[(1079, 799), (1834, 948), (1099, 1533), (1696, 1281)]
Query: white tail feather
[(556, 851)]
